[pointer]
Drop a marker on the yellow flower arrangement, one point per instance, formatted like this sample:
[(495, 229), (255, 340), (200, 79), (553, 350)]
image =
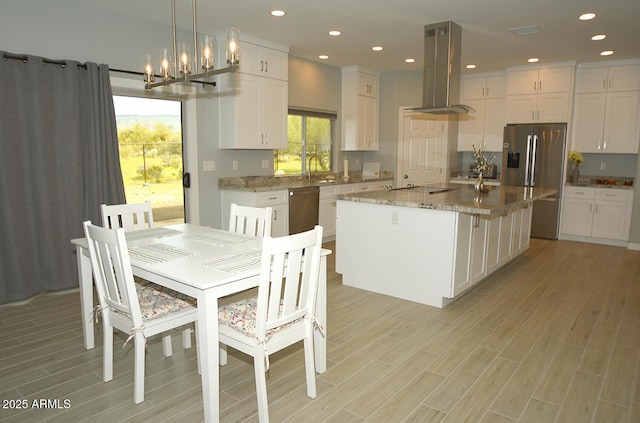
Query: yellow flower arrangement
[(576, 158)]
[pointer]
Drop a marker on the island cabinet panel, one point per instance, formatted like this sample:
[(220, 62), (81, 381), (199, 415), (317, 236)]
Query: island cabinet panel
[(399, 251), (423, 255)]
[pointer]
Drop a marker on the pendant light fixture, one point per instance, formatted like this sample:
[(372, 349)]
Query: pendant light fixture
[(179, 65)]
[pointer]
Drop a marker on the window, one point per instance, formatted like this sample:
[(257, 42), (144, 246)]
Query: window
[(310, 141)]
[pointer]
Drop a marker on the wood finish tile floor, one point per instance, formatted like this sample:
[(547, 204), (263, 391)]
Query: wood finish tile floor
[(553, 337)]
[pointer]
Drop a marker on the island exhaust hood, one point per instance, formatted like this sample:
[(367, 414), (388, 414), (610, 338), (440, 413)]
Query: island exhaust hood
[(441, 74)]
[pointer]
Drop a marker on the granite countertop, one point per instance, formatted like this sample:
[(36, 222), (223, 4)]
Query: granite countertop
[(614, 182), (274, 183), (455, 197), (595, 185)]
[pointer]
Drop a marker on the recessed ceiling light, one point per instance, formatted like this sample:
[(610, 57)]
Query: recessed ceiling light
[(598, 37), (606, 53), (410, 60), (471, 66), (323, 57), (278, 13), (335, 33), (533, 60), (377, 48), (587, 16)]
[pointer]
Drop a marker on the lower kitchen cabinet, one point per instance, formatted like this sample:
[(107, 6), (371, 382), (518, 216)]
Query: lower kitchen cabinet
[(599, 215), (278, 200), (423, 255), (327, 212)]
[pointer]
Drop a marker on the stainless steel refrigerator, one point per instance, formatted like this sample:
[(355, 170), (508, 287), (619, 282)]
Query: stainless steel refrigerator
[(534, 156)]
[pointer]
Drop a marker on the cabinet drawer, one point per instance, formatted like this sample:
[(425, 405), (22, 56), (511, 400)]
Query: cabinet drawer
[(271, 198), (611, 195), (580, 192)]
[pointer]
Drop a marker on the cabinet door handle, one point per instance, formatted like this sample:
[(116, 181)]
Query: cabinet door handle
[(275, 215), (535, 84), (483, 92), (261, 66), (266, 66), (590, 208), (539, 85)]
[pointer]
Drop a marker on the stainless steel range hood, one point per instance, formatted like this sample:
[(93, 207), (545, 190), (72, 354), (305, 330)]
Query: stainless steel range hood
[(441, 74)]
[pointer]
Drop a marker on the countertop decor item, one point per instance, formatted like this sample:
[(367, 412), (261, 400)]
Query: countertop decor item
[(576, 158), (481, 165)]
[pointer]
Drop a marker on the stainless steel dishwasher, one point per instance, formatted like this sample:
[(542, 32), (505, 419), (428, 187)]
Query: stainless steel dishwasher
[(303, 208)]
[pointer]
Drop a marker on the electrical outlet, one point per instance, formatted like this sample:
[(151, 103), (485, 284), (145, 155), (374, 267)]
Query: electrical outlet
[(209, 166), (603, 165), (265, 164), (395, 217), (235, 165)]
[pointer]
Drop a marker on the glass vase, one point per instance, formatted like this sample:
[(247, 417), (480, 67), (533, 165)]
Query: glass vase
[(479, 185), (576, 174)]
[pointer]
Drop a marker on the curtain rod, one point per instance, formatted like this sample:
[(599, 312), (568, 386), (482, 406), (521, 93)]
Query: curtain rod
[(212, 83), (25, 59)]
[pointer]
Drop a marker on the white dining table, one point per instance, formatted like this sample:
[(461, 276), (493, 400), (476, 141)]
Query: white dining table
[(206, 264)]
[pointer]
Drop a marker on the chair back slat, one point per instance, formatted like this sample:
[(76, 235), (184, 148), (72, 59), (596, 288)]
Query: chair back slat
[(127, 216), (112, 271), (253, 221), (288, 279)]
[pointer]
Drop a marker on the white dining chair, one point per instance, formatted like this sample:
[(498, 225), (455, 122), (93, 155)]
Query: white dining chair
[(137, 310), (127, 216), (282, 314), (254, 221)]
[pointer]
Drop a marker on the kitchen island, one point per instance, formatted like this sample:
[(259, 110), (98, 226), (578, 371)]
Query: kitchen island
[(430, 244)]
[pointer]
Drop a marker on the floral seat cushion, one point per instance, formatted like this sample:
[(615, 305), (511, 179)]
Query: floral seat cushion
[(156, 301), (241, 316)]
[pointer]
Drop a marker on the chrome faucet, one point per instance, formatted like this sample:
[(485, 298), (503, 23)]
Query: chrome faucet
[(311, 157)]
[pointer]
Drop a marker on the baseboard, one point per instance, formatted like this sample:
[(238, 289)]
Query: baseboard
[(633, 246)]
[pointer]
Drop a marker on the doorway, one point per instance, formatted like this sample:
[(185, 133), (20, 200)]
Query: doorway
[(422, 152), (151, 154)]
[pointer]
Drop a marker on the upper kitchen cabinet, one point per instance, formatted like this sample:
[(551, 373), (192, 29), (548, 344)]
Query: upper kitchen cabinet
[(254, 100), (605, 118), (600, 79), (539, 95), (484, 127), (263, 61), (359, 109)]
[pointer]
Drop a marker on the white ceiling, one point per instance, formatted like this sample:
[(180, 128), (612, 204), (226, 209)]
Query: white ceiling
[(397, 25)]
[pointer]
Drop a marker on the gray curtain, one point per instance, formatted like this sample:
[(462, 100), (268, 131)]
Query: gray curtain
[(58, 162)]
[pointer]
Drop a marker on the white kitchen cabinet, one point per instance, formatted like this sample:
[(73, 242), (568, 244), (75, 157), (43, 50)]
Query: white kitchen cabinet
[(506, 245), (278, 200), (493, 245), (484, 128), (327, 212), (263, 61), (539, 95), (470, 250), (600, 215), (253, 102), (359, 109), (601, 79), (254, 114), (606, 118)]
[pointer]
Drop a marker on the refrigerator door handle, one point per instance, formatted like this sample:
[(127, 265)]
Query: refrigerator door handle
[(533, 160), (526, 165)]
